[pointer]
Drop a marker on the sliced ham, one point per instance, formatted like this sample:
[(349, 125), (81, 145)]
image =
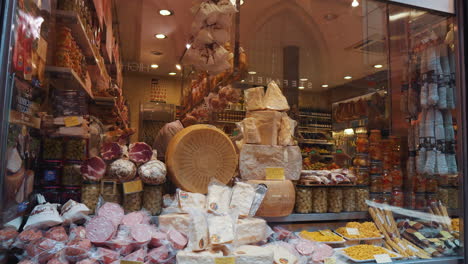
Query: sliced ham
[(140, 152), (177, 239), (77, 232), (157, 238), (134, 218), (158, 255), (141, 233), (322, 252), (305, 247), (112, 211), (111, 151), (93, 169), (107, 256), (138, 255), (100, 229)]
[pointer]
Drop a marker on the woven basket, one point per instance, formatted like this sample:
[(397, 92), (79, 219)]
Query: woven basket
[(199, 153)]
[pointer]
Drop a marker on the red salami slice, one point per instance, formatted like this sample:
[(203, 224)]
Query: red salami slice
[(305, 248), (140, 152), (112, 211), (111, 151), (107, 256), (158, 255), (138, 255), (57, 233), (77, 232), (57, 261), (141, 233), (100, 229), (44, 249), (134, 218), (177, 239), (157, 238), (93, 169), (77, 249)]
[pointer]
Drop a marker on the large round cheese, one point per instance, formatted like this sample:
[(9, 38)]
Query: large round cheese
[(199, 153), (279, 199)]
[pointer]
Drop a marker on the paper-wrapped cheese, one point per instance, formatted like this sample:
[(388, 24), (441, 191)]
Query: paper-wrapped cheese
[(254, 98), (274, 98), (221, 229), (250, 231), (282, 254), (253, 254), (268, 125), (255, 158), (218, 198), (198, 231), (179, 222), (189, 200), (243, 195), (204, 257)]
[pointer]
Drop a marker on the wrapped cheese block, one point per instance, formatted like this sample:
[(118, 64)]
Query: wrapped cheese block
[(254, 98), (191, 200), (221, 229), (253, 254), (286, 131), (274, 98), (282, 254), (279, 199), (250, 231), (198, 234), (255, 158), (243, 195), (204, 257), (179, 222), (218, 198), (268, 125)]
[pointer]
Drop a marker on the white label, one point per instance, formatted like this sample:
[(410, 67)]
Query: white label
[(382, 258), (330, 260), (352, 231)]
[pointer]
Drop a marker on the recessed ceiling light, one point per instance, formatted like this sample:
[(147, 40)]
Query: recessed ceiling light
[(301, 87), (172, 73), (160, 36), (165, 12), (252, 72), (325, 85), (188, 46), (178, 67), (303, 79), (242, 81), (348, 77), (157, 53), (355, 3), (154, 66), (378, 66)]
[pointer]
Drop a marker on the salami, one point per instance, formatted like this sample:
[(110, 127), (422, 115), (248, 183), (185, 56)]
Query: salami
[(157, 238), (7, 237), (77, 249), (107, 256), (134, 218), (138, 255), (140, 152), (57, 233), (158, 255), (57, 261), (141, 233), (100, 229), (27, 236), (153, 172), (123, 170), (177, 239), (77, 232), (111, 151), (93, 169), (112, 211), (44, 249)]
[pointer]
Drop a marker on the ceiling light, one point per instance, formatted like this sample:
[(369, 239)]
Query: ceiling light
[(378, 66), (242, 81), (325, 85), (157, 53), (188, 46), (178, 67), (303, 79), (154, 66), (160, 36), (252, 72), (349, 131), (355, 3), (172, 73), (165, 12), (301, 87), (348, 77)]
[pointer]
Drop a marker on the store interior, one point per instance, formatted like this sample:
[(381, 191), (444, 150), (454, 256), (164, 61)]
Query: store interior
[(231, 131)]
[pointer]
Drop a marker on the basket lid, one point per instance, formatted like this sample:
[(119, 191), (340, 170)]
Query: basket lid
[(199, 153)]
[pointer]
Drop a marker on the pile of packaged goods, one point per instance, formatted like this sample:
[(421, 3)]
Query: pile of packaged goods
[(68, 54)]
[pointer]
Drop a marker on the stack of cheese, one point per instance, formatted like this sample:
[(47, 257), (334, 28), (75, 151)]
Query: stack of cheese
[(268, 144), (216, 220)]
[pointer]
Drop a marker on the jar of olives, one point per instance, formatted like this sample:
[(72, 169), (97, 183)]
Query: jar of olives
[(90, 194), (71, 175), (52, 149), (453, 198), (443, 194), (75, 149), (153, 198), (319, 200)]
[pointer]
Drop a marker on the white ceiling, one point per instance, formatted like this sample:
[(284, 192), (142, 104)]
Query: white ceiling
[(267, 26)]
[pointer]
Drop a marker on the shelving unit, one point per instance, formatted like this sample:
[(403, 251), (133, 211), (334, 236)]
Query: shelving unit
[(66, 78)]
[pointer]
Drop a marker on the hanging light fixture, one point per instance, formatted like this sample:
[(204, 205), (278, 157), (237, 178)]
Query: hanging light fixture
[(355, 3)]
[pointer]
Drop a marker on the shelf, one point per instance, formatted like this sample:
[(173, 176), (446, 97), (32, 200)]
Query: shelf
[(315, 141), (319, 217), (66, 78), (442, 260)]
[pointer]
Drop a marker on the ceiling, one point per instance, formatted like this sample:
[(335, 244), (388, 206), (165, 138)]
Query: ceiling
[(326, 33)]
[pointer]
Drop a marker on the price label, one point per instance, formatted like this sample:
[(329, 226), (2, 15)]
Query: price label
[(132, 187), (419, 236), (382, 258), (274, 174), (326, 232), (446, 234), (71, 121), (225, 260), (330, 260), (352, 231), (130, 262)]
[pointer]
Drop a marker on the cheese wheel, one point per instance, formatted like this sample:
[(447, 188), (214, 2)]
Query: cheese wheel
[(279, 199), (199, 153)]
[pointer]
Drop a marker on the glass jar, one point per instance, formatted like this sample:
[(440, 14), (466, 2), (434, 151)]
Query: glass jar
[(386, 181), (335, 200), (75, 149), (398, 197), (420, 201), (361, 160), (90, 194), (376, 183), (431, 199), (420, 184), (363, 176), (52, 149), (52, 194), (387, 161), (443, 194), (375, 136), (397, 176), (153, 198), (319, 200), (71, 175), (387, 198), (362, 194), (111, 191), (375, 151), (431, 184), (362, 143), (375, 197), (453, 198), (132, 202), (51, 173), (349, 199), (71, 193), (376, 167)]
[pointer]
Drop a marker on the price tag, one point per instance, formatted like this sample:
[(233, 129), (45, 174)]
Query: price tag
[(71, 121), (382, 258), (330, 260), (225, 260), (326, 232), (132, 187), (446, 234), (419, 236), (130, 262), (352, 231), (274, 174)]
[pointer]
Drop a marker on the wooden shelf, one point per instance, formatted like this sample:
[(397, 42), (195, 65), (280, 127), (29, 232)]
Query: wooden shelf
[(65, 78), (316, 141)]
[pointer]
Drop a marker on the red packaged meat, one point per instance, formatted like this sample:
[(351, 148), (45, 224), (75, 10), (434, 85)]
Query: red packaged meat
[(112, 211), (43, 249), (140, 152), (77, 249), (93, 169), (106, 256), (58, 260), (111, 151), (282, 233), (177, 239), (26, 261), (158, 255), (139, 217), (100, 229), (157, 238), (122, 242), (138, 255), (57, 233), (141, 233), (88, 261), (77, 232), (7, 237), (27, 236)]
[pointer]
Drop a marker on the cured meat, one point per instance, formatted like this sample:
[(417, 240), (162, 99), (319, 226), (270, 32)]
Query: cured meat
[(73, 211), (100, 229), (138, 255), (28, 236), (141, 233), (111, 151), (177, 239), (44, 249), (153, 172), (77, 232), (57, 233), (77, 249), (134, 218), (122, 169), (7, 237), (57, 261), (322, 252), (107, 256), (282, 233), (157, 238), (87, 261), (113, 212), (140, 152), (93, 169), (305, 247), (158, 255)]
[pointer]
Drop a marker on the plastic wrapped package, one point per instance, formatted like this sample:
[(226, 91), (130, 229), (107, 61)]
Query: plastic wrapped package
[(71, 175), (111, 191)]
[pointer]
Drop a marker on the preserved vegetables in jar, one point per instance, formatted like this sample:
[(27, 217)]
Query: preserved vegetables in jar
[(335, 200), (375, 136), (349, 199), (420, 203), (52, 149), (376, 183), (319, 200), (376, 167), (90, 194), (132, 202), (362, 143), (153, 198), (453, 198), (75, 149), (431, 185), (387, 161), (375, 151), (361, 160), (71, 175), (363, 176), (397, 176), (443, 194), (398, 197), (420, 184), (111, 191), (362, 194), (386, 181), (303, 203)]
